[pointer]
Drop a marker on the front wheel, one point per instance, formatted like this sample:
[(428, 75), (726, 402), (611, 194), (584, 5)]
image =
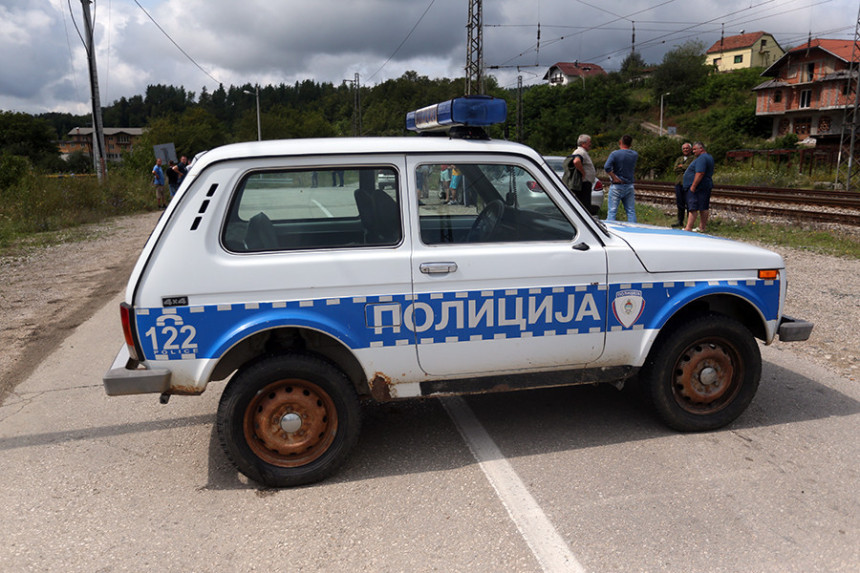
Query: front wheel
[(703, 375), (288, 420)]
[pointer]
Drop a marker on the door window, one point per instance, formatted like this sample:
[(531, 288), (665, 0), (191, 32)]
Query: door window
[(486, 203)]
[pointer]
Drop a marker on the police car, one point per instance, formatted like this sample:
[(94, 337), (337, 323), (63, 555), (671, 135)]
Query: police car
[(308, 298)]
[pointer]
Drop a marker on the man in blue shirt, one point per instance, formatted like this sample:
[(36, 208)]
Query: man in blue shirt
[(158, 183), (621, 166), (698, 182)]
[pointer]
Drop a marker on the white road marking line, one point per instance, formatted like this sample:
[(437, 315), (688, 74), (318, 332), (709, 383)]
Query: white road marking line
[(546, 544), (325, 211)]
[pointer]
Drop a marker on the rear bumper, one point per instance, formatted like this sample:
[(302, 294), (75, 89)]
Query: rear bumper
[(125, 378), (793, 329)]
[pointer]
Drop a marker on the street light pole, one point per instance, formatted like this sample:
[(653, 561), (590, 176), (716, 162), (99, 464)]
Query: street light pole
[(257, 93), (661, 112)]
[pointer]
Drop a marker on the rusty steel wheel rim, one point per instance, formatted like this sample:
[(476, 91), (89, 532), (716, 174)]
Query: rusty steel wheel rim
[(290, 423), (707, 376)]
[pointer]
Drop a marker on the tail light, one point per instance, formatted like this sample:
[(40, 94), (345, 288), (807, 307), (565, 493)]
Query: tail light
[(126, 313)]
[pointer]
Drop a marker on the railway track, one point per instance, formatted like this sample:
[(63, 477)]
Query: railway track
[(842, 207)]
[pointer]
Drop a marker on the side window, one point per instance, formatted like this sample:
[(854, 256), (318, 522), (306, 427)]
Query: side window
[(280, 210), (486, 203)]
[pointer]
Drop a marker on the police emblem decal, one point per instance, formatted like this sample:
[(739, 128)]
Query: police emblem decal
[(628, 306)]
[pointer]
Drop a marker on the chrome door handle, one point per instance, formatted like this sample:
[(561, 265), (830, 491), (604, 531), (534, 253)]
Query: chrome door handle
[(437, 268)]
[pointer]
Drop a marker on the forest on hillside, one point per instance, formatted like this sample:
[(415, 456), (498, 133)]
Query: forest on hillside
[(718, 108)]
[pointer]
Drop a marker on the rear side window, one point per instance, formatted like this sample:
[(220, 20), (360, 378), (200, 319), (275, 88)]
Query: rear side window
[(314, 209)]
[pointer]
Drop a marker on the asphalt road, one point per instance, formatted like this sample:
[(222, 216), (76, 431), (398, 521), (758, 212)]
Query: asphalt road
[(572, 479)]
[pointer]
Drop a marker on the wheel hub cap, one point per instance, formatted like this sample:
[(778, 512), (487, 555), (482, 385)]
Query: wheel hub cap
[(708, 376), (291, 422), (705, 377)]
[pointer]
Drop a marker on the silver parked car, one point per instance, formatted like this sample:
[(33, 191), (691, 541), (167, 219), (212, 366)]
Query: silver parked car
[(556, 163)]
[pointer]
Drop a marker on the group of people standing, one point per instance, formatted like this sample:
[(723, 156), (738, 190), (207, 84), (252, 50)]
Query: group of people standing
[(174, 174), (450, 185), (692, 187)]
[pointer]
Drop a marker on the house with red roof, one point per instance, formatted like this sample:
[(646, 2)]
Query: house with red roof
[(808, 89), (753, 50), (562, 73)]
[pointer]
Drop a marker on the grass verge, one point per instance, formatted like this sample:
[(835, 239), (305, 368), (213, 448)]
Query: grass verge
[(796, 236)]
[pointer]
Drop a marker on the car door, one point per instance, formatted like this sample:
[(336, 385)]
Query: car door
[(506, 276)]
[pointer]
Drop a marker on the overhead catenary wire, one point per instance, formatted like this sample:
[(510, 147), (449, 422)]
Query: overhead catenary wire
[(591, 28), (178, 47), (397, 49), (674, 35), (695, 29), (69, 44), (78, 30)]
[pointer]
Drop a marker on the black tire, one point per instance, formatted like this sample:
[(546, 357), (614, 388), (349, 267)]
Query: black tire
[(288, 420), (704, 374)]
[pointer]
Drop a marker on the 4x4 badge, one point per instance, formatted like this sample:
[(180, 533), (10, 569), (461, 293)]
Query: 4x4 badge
[(628, 306)]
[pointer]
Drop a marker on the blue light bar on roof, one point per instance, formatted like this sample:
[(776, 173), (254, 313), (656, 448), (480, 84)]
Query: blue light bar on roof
[(467, 110)]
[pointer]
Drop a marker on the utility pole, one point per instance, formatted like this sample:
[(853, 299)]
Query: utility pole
[(256, 93), (519, 109), (357, 104), (633, 38), (661, 112), (475, 48), (98, 145), (356, 112), (848, 162)]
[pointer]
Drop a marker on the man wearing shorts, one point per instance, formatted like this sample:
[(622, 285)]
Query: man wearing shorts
[(698, 182)]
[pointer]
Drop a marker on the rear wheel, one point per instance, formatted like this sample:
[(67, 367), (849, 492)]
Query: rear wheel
[(703, 375), (288, 420)]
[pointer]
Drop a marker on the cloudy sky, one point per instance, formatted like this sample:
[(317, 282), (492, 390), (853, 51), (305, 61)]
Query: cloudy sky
[(197, 43)]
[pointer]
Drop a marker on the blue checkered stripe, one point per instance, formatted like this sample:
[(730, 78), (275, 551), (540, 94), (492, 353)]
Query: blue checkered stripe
[(660, 299), (192, 332)]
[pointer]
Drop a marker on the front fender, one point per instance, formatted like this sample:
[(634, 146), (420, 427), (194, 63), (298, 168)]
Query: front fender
[(763, 295)]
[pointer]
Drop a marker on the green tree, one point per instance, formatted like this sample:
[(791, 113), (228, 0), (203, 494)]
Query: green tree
[(194, 131), (23, 135), (681, 73), (79, 162), (633, 65), (554, 116), (13, 168)]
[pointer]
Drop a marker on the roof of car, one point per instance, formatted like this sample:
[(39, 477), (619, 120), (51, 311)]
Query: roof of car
[(361, 145)]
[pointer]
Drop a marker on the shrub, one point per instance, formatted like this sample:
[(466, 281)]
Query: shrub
[(13, 169)]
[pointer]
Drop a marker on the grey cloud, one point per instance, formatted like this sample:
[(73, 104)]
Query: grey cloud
[(260, 41)]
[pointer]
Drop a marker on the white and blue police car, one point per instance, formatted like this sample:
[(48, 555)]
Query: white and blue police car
[(312, 274)]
